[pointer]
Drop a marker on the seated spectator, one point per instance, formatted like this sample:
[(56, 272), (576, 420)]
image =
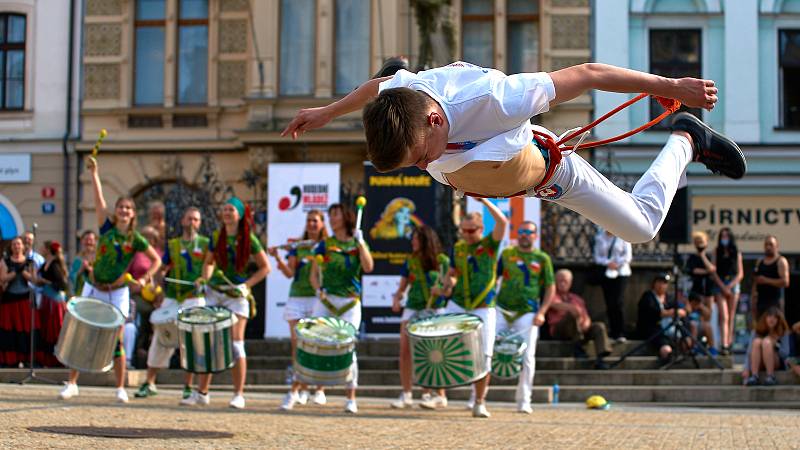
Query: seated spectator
[(654, 309), (568, 319), (768, 349), (794, 361), (699, 310)]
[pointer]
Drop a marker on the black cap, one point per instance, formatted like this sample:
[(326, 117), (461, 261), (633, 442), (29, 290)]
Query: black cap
[(391, 66), (663, 276)]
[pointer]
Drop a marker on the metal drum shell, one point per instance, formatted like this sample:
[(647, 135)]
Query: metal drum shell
[(324, 353), (507, 364), (469, 343), (206, 347), (85, 346), (168, 335)]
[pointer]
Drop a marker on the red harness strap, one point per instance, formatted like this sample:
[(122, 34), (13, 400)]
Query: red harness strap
[(554, 148)]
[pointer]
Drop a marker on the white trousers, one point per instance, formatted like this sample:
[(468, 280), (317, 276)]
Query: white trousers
[(523, 326), (353, 315), (632, 216)]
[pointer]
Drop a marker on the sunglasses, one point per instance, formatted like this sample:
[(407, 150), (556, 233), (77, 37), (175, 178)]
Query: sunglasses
[(469, 230), (526, 232)]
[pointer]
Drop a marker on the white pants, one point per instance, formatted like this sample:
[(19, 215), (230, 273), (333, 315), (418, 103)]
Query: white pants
[(129, 339), (408, 314), (523, 326), (119, 297), (158, 356), (298, 308), (352, 315), (489, 318), (634, 217), (238, 305)]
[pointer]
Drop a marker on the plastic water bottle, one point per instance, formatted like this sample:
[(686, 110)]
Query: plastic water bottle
[(555, 394)]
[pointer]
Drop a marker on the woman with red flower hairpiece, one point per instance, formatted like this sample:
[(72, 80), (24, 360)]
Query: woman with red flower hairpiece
[(229, 251), (117, 243)]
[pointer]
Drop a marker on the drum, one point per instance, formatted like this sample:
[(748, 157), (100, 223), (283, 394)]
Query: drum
[(325, 350), (205, 338), (447, 350), (509, 349), (165, 321), (88, 335)]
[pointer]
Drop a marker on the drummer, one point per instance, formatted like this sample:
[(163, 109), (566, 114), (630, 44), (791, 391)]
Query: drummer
[(118, 243), (471, 280), (182, 261), (345, 255), (421, 277), (230, 250), (301, 297), (525, 271)]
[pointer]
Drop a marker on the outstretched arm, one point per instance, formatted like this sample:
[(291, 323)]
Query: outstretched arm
[(312, 118), (574, 81), (99, 199), (500, 220)]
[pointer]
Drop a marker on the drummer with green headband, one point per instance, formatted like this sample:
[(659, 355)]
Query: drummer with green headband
[(526, 276), (230, 250), (344, 256), (182, 262), (117, 244), (471, 282)]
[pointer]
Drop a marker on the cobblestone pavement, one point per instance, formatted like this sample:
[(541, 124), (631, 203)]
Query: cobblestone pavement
[(262, 425)]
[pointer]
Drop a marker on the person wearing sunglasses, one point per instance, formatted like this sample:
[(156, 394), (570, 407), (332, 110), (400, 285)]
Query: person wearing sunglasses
[(471, 282), (525, 273)]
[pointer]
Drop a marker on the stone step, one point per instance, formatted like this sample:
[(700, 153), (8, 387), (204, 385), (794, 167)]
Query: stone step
[(682, 394)]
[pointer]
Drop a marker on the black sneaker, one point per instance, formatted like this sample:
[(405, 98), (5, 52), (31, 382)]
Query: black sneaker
[(600, 365), (391, 66), (752, 381), (770, 380), (719, 154)]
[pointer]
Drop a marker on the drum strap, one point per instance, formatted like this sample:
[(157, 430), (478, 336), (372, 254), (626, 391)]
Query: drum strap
[(323, 298), (469, 302), (510, 316)]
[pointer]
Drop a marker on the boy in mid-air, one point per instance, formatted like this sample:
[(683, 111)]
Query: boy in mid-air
[(469, 127)]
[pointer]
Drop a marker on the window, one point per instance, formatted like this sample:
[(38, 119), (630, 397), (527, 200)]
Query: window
[(149, 64), (789, 73), (352, 45), (12, 62), (522, 36), (477, 32), (193, 52), (298, 34), (674, 54)]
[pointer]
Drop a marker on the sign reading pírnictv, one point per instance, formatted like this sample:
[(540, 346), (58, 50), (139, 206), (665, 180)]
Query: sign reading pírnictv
[(15, 168)]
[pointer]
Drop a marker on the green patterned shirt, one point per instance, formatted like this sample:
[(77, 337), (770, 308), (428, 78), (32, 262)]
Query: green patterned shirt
[(475, 266), (525, 275), (421, 282), (185, 259), (301, 284), (115, 251), (230, 271), (341, 267)]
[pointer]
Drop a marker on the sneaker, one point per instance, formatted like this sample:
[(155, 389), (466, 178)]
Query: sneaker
[(391, 66), (289, 401), (524, 407), (351, 407), (770, 380), (69, 391), (122, 396), (752, 381), (237, 402), (196, 398), (621, 340), (471, 401), (433, 402), (479, 410), (319, 397), (187, 392), (406, 400), (718, 153), (302, 399), (146, 390)]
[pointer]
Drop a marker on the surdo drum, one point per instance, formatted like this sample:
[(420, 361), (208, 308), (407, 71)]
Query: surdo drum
[(325, 350), (165, 321), (509, 349), (89, 335), (205, 338)]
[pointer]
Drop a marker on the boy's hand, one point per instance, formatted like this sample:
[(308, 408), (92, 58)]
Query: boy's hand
[(306, 120), (696, 93)]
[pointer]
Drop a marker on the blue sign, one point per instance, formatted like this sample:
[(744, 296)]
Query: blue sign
[(48, 208)]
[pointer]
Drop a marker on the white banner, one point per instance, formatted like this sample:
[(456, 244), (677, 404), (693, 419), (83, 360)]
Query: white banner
[(293, 190), (15, 168)]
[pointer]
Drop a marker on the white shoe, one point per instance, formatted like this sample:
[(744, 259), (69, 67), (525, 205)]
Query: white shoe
[(433, 401), (471, 401), (319, 397), (122, 396), (406, 400), (69, 391), (524, 407), (289, 401), (302, 399), (196, 399), (480, 411), (351, 407), (237, 402)]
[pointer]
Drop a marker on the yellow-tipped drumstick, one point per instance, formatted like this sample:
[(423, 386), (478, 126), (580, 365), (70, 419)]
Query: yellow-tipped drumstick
[(96, 148), (129, 278), (361, 201)]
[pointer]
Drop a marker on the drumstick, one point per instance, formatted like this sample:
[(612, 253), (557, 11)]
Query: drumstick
[(361, 201), (319, 259), (177, 281), (100, 137), (296, 244)]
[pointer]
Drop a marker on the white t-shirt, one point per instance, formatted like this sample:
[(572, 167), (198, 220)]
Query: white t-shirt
[(488, 111)]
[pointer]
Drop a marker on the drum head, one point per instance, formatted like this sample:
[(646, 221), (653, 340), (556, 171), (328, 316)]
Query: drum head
[(326, 330), (508, 342), (95, 312), (205, 315), (444, 325)]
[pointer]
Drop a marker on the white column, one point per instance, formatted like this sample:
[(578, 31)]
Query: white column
[(611, 46), (740, 86)]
